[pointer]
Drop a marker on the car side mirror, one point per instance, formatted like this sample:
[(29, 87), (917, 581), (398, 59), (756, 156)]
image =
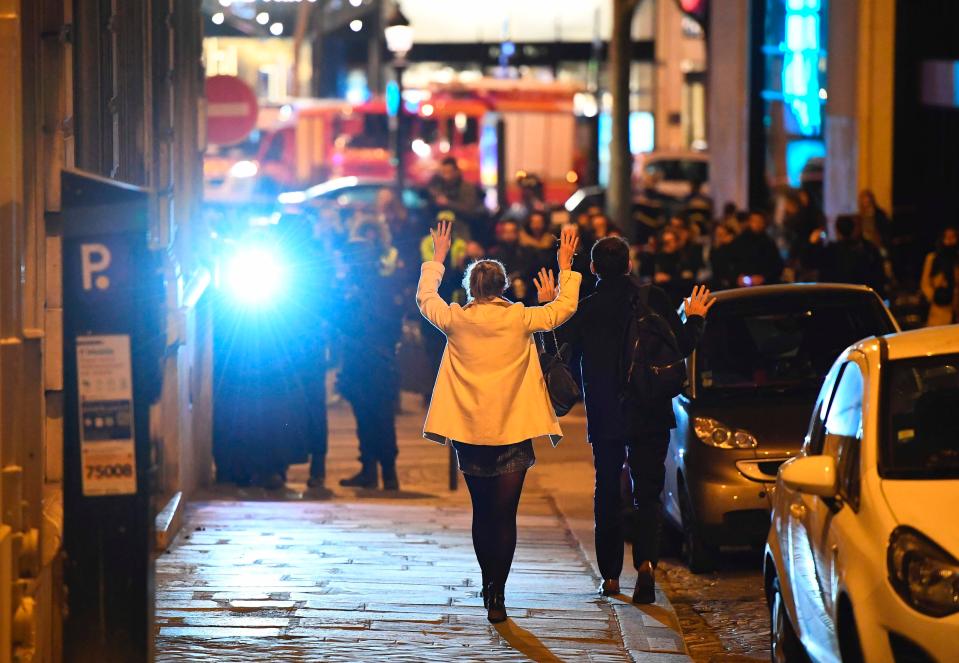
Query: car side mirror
[(814, 475)]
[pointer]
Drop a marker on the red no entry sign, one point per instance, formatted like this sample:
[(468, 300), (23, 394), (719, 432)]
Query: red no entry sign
[(231, 110)]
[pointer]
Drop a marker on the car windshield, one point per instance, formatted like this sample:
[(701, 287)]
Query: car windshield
[(919, 439), (784, 341)]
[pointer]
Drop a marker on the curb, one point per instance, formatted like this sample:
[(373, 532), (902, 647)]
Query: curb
[(650, 633)]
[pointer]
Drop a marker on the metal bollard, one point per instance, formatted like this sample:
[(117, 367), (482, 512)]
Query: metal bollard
[(454, 474)]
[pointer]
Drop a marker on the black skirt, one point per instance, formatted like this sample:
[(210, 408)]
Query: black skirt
[(490, 461)]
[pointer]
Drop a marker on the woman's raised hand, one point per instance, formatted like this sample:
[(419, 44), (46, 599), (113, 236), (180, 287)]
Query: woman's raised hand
[(442, 239), (545, 286), (568, 243)]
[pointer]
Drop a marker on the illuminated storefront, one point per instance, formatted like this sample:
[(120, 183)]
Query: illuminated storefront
[(794, 93)]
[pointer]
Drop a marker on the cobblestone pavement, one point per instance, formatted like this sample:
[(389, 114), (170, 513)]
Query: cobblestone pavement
[(361, 575), (723, 615)]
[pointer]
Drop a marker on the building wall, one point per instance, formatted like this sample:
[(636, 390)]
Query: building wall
[(859, 110), (677, 53), (143, 126), (728, 103)]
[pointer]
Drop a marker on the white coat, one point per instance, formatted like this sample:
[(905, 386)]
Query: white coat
[(490, 388)]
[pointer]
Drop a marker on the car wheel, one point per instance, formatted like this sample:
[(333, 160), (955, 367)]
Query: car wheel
[(699, 556), (784, 644), (850, 649)]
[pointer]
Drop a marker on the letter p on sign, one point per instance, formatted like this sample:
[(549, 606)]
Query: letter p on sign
[(94, 258)]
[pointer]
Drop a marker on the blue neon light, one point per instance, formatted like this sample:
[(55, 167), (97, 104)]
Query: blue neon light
[(798, 154), (800, 74), (392, 98)]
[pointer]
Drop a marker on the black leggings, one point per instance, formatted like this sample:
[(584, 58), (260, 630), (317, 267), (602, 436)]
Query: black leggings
[(495, 501)]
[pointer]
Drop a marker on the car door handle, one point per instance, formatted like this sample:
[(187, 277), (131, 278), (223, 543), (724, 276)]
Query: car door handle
[(797, 510)]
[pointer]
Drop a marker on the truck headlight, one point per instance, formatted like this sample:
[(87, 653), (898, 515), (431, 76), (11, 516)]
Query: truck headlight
[(922, 573), (716, 434), (255, 275)]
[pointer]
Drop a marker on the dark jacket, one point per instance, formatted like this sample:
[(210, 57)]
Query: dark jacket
[(597, 332), (848, 261), (757, 254), (721, 261)]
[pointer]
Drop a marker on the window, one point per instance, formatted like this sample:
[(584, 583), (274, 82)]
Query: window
[(817, 426), (920, 400), (785, 342), (844, 431), (795, 88), (845, 415)]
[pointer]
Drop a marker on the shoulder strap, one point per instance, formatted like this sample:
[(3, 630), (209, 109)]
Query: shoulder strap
[(643, 295), (639, 301)]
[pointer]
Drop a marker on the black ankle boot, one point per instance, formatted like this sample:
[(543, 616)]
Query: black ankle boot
[(390, 480), (495, 605), (365, 478)]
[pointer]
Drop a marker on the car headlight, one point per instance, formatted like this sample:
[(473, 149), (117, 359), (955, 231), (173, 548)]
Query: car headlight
[(716, 434), (254, 275), (922, 573), (243, 169)]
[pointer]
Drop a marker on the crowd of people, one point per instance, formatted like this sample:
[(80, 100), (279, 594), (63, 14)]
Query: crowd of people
[(371, 257), (737, 248)]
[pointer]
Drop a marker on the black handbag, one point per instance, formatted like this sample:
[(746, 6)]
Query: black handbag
[(560, 384)]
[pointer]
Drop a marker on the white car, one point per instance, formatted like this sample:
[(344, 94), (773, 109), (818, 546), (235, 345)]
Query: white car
[(862, 558)]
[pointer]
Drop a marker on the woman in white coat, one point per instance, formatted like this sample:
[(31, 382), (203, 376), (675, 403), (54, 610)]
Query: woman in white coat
[(490, 397)]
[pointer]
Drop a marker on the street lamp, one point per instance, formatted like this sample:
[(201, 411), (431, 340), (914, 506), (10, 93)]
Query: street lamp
[(399, 40)]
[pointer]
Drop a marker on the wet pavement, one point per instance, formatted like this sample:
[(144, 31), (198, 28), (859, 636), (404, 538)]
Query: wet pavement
[(723, 615), (358, 575)]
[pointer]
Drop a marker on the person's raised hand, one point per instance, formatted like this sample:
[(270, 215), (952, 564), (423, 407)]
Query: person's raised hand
[(442, 239), (568, 243), (699, 302), (545, 286)]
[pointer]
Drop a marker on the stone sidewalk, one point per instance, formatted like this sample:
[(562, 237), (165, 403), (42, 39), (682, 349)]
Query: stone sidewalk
[(363, 575)]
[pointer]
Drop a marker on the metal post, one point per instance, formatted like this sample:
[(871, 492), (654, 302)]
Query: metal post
[(400, 139)]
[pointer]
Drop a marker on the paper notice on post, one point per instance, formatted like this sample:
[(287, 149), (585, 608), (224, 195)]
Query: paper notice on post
[(105, 390)]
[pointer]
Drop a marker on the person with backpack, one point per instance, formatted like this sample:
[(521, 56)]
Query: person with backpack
[(632, 345)]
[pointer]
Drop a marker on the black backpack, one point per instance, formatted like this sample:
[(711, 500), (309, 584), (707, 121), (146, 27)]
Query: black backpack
[(653, 365)]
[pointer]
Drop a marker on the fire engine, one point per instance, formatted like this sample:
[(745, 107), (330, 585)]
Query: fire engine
[(493, 128)]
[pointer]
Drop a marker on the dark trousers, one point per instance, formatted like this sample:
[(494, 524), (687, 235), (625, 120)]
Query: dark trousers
[(373, 407), (315, 388), (646, 456)]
